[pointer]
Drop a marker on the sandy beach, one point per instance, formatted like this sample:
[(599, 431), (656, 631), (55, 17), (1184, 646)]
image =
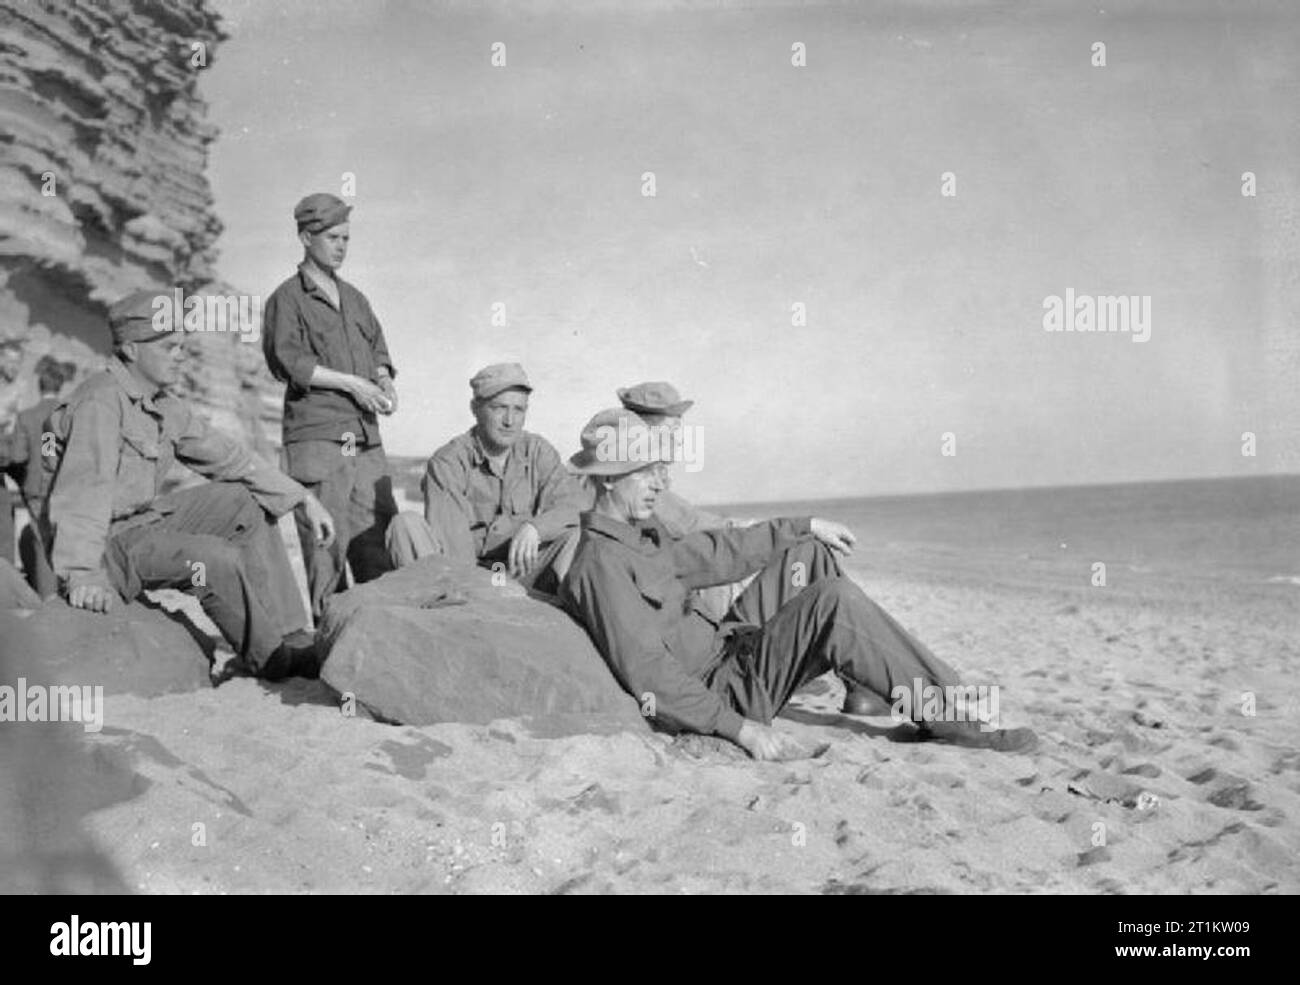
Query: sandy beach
[(1148, 777)]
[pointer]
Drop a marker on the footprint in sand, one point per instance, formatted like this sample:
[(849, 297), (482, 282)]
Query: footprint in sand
[(1225, 789)]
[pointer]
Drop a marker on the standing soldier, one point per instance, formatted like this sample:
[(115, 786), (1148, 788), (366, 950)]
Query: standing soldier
[(321, 339)]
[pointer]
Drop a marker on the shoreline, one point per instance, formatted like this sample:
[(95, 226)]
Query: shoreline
[(1131, 704)]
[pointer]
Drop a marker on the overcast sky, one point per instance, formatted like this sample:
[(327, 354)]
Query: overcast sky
[(818, 185)]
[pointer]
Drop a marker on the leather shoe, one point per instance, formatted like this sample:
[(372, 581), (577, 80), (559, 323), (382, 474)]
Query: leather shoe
[(861, 701), (971, 736)]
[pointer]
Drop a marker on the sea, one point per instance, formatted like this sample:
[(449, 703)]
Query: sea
[(1235, 531)]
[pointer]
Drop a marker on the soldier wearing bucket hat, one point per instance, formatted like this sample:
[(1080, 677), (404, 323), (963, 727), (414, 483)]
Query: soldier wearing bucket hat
[(321, 338), (116, 438), (497, 494), (630, 586), (660, 403)]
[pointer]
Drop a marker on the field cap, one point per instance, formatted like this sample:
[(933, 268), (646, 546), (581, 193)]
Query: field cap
[(654, 398), (319, 212), (618, 441), (491, 380), (131, 318)]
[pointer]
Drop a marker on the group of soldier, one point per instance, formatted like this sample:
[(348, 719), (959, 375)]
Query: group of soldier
[(720, 621)]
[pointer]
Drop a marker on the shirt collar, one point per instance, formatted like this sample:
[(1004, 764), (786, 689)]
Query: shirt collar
[(479, 455), (310, 286), (129, 383), (647, 536)]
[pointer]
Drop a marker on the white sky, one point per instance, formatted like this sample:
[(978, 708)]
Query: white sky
[(819, 185)]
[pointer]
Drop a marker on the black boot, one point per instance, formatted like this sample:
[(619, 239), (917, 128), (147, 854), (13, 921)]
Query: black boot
[(859, 700), (294, 657)]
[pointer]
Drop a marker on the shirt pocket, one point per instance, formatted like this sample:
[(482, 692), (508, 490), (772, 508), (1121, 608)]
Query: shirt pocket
[(659, 589), (519, 497), (141, 444)]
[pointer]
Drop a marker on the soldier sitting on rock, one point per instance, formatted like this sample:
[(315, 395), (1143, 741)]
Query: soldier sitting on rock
[(630, 585), (115, 535)]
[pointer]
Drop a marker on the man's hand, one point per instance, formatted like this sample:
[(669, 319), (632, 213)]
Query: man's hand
[(836, 536), (94, 595), (523, 550), (322, 524), (390, 392), (369, 396), (765, 742)]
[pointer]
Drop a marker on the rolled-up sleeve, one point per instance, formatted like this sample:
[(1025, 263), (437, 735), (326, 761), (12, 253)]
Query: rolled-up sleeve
[(81, 504), (379, 346), (284, 343), (603, 596), (215, 455), (446, 505)]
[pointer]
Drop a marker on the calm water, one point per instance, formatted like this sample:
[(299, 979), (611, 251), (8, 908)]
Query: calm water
[(1239, 530)]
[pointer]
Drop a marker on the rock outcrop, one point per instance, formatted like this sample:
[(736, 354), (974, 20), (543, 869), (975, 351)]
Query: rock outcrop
[(103, 150), (134, 649), (437, 641)]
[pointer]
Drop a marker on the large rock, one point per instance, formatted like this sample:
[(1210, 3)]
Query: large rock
[(439, 642), (134, 649)]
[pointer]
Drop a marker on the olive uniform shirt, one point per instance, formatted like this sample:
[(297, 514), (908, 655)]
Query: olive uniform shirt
[(631, 586), (302, 329), (478, 509), (118, 446)]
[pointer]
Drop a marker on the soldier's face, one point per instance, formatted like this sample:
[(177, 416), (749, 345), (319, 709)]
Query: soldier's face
[(329, 248), (501, 419), (159, 363), (635, 495)]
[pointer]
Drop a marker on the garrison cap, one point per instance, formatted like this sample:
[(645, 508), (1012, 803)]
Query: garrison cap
[(654, 398), (617, 441), (320, 211), (131, 318), (491, 380)]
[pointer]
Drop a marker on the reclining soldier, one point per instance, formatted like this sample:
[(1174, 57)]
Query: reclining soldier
[(630, 585), (115, 535), (660, 405)]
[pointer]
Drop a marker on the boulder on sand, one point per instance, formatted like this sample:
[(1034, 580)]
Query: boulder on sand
[(438, 641), (133, 649)]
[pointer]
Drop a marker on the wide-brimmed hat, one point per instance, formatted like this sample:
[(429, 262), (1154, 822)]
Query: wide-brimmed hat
[(654, 398), (618, 441)]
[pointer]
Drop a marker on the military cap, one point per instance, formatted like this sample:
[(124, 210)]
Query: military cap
[(491, 380), (320, 211), (617, 441), (132, 318), (654, 398)]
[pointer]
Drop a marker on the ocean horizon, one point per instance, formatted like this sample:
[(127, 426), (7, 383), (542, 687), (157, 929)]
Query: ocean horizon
[(1245, 530), (1241, 530)]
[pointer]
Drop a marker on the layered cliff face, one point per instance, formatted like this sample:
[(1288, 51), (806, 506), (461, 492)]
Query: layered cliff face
[(103, 149)]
